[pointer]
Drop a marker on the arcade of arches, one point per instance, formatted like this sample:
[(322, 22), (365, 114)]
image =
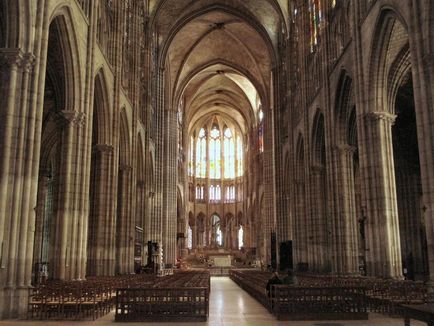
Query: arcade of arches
[(239, 129)]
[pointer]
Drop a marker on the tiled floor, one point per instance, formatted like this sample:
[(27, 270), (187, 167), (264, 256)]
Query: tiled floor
[(229, 305)]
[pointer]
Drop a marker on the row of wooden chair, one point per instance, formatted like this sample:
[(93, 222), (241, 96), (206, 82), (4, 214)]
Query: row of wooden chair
[(95, 296), (91, 298), (382, 295)]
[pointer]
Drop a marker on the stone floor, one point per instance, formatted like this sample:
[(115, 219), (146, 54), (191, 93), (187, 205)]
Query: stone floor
[(229, 305)]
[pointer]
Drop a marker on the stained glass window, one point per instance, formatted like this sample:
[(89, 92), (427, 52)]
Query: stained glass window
[(199, 192), (239, 157), (240, 237), (215, 154), (201, 154), (229, 152), (212, 192), (218, 193), (230, 193), (316, 14), (189, 238), (219, 236), (261, 131), (190, 164)]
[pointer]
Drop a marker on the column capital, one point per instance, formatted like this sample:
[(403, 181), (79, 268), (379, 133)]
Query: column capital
[(10, 57), (103, 148), (381, 116), (45, 173), (345, 149), (125, 168), (72, 117), (317, 169), (428, 60), (28, 62)]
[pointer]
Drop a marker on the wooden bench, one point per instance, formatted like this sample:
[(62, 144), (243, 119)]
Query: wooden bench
[(162, 304), (422, 312), (318, 303)]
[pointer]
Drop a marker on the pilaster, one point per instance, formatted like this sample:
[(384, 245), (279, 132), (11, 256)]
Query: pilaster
[(384, 248)]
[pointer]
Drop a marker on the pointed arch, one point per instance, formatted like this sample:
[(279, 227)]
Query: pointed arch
[(299, 167), (342, 107), (4, 26), (318, 139), (140, 165), (390, 28), (16, 23), (124, 140), (62, 20), (102, 108)]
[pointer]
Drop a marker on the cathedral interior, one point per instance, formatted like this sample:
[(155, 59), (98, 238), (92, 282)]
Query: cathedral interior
[(150, 136)]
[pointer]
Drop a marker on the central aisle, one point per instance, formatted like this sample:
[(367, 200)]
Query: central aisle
[(231, 305)]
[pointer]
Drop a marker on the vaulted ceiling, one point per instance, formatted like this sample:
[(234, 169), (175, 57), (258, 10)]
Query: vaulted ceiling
[(218, 56)]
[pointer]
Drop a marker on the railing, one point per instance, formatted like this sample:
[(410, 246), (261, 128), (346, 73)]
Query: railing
[(358, 294), (318, 303), (162, 304)]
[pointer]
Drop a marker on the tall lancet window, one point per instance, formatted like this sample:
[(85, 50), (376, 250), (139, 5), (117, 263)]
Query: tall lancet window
[(229, 150), (239, 157), (191, 163), (316, 17), (189, 238), (212, 194), (261, 131), (201, 154), (215, 154), (218, 193), (240, 237)]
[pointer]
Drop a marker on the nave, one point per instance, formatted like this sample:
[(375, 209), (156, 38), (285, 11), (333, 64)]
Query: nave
[(229, 305)]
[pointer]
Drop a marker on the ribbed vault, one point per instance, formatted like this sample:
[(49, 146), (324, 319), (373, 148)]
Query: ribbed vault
[(218, 57)]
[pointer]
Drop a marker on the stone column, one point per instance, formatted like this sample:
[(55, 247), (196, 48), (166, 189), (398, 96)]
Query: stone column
[(300, 225), (345, 230), (15, 218), (383, 240), (317, 224), (10, 60), (40, 216), (170, 189), (124, 228), (100, 260), (66, 235), (423, 78), (269, 173)]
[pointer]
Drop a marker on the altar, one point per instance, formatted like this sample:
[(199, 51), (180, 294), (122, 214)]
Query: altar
[(221, 261)]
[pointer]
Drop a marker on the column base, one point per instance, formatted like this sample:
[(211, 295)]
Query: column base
[(14, 302), (430, 291)]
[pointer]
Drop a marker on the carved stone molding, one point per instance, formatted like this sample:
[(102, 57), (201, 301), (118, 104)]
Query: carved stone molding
[(28, 62), (345, 149), (103, 148), (428, 60), (125, 168), (317, 169), (10, 58), (381, 116), (72, 117)]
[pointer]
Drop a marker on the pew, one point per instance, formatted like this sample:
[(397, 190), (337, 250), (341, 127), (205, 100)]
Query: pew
[(318, 303), (183, 296)]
